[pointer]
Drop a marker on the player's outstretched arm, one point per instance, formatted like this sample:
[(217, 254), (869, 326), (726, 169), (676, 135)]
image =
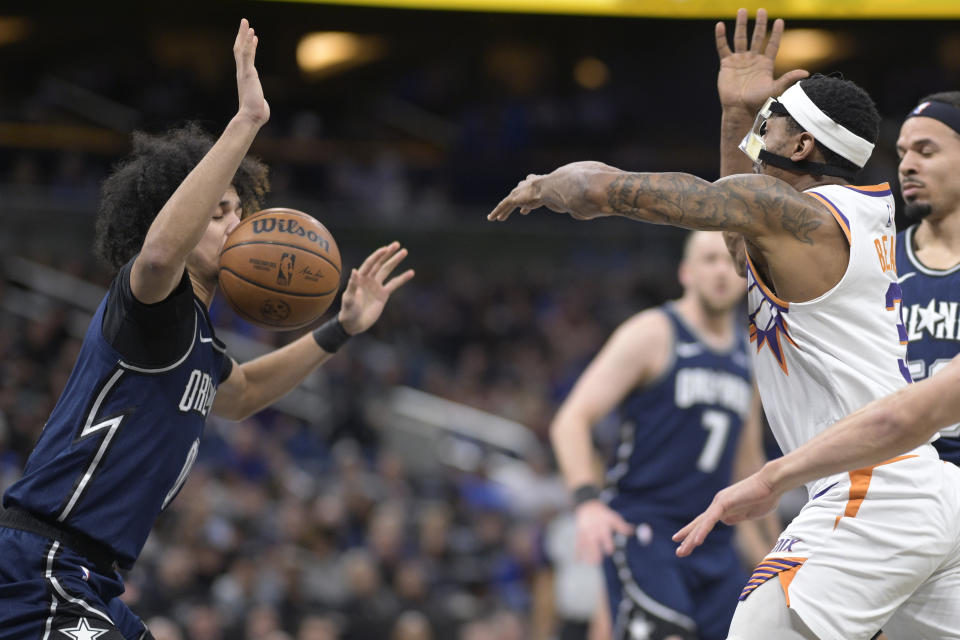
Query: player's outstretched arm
[(745, 81), (255, 385), (762, 208), (181, 222), (882, 430), (635, 353)]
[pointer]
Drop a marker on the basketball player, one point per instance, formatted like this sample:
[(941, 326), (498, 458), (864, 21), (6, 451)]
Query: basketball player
[(681, 377), (125, 432), (823, 306), (928, 252)]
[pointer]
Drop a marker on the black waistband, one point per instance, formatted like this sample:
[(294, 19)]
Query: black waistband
[(103, 559)]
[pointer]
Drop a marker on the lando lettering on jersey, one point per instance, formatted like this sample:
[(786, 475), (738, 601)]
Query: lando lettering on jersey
[(199, 393), (267, 225), (708, 386)]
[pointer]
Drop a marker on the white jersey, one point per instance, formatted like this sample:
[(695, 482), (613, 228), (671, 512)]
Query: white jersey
[(821, 360)]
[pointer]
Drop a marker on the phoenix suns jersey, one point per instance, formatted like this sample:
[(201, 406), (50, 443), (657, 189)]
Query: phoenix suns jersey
[(820, 360), (126, 429)]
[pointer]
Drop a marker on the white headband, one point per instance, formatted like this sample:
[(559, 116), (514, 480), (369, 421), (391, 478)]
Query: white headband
[(832, 135)]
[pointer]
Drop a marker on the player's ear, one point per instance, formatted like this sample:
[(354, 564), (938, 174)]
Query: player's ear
[(804, 148)]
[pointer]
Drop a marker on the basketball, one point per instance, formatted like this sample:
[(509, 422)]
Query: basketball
[(280, 269)]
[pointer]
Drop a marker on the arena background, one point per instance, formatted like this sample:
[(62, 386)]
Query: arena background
[(406, 491)]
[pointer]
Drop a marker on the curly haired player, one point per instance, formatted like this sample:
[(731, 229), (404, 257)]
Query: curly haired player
[(125, 432)]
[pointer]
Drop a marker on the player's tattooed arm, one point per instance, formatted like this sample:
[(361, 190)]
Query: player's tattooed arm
[(756, 206), (751, 204)]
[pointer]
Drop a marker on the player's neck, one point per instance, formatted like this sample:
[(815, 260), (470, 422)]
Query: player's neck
[(716, 328), (936, 241), (203, 290)]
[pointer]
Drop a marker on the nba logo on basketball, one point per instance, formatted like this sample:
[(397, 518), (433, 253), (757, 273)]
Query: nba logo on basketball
[(285, 270)]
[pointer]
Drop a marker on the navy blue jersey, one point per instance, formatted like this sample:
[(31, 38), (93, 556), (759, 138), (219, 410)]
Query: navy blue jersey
[(126, 429), (680, 431), (931, 301)]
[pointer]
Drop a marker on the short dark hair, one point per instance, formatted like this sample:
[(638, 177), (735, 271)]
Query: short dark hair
[(847, 104), (951, 98), (140, 184)]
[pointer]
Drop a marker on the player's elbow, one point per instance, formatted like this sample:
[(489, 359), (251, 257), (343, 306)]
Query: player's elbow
[(157, 261), (566, 423)]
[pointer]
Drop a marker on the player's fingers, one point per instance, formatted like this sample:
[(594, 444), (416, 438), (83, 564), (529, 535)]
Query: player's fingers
[(388, 265), (249, 47), (506, 207), (723, 47), (622, 526), (740, 32), (702, 526), (521, 195), (375, 259), (352, 283), (684, 531), (686, 537), (759, 31), (395, 283), (773, 44), (238, 44)]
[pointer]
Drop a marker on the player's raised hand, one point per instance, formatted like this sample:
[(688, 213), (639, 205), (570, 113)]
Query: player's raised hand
[(597, 524), (746, 73), (750, 498), (252, 103), (368, 288), (561, 190)]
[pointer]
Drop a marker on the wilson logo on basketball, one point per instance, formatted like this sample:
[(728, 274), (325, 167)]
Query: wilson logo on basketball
[(268, 225)]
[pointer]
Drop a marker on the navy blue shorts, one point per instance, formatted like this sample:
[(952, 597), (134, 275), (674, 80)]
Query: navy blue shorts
[(48, 592), (658, 595)]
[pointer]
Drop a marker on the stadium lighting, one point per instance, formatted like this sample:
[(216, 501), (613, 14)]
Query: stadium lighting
[(14, 29), (811, 48), (591, 73), (327, 52)]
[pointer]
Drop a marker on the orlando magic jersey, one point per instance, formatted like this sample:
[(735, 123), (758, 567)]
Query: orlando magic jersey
[(126, 429), (680, 431), (930, 312)]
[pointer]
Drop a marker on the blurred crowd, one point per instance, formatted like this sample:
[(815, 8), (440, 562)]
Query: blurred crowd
[(292, 529)]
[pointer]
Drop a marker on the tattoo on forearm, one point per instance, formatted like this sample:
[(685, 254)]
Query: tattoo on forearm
[(687, 201)]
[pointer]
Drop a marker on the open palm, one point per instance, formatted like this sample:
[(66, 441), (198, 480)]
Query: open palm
[(746, 73), (368, 288)]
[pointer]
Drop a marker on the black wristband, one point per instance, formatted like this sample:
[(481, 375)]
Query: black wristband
[(331, 335), (584, 493)]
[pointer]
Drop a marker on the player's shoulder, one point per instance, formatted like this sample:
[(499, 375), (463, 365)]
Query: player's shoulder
[(644, 343), (653, 323)]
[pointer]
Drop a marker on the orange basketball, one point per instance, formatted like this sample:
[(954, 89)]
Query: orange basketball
[(280, 269)]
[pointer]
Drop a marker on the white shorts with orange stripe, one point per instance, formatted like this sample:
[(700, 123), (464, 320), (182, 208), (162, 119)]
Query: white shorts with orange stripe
[(878, 548)]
